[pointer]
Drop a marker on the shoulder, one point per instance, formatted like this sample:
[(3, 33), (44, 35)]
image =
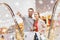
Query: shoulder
[(25, 17), (41, 21)]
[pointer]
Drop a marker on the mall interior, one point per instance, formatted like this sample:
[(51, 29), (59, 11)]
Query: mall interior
[(12, 24)]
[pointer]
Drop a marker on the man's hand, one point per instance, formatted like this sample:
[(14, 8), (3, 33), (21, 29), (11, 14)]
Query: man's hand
[(18, 13)]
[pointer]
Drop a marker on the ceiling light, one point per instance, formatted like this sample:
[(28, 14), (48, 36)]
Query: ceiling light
[(7, 15), (48, 6), (52, 1), (16, 3), (41, 2)]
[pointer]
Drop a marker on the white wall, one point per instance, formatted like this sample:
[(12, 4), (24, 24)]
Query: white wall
[(20, 5)]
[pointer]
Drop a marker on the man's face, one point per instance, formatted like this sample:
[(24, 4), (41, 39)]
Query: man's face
[(30, 12)]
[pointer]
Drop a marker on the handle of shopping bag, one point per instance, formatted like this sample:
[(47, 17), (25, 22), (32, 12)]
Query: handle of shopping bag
[(53, 14), (12, 14)]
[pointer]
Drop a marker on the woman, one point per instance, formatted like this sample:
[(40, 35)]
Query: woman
[(39, 24)]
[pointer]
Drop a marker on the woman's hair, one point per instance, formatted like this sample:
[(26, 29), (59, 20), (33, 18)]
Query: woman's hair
[(38, 14)]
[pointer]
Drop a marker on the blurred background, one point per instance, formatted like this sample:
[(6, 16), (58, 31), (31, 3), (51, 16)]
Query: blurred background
[(44, 7)]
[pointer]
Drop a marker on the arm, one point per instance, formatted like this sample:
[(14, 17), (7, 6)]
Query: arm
[(19, 14), (42, 26)]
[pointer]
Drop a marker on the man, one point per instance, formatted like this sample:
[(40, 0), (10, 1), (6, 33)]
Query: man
[(28, 20)]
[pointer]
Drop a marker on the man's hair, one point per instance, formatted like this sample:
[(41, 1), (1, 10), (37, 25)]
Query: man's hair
[(30, 9)]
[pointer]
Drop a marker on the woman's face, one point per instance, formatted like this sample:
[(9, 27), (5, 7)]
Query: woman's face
[(36, 16)]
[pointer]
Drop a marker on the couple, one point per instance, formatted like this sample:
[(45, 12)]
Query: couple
[(31, 24)]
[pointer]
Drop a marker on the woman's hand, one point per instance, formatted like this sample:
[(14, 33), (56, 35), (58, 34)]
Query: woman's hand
[(34, 27)]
